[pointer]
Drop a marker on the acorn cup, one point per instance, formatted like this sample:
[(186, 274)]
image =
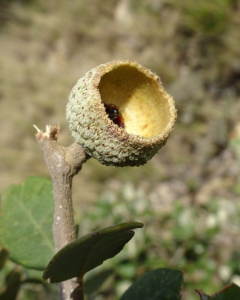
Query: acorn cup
[(120, 114)]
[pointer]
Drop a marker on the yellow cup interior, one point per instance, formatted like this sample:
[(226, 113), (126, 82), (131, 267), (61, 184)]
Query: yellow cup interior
[(140, 98)]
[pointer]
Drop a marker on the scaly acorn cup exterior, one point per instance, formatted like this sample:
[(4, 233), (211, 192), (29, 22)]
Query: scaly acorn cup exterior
[(148, 113)]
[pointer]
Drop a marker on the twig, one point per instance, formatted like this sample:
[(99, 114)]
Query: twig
[(63, 163)]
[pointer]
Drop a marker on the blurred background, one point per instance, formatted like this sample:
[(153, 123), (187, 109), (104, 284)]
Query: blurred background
[(188, 194)]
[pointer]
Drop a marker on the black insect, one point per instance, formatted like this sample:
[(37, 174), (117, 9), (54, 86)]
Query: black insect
[(114, 114)]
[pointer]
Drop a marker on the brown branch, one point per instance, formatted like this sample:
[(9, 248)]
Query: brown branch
[(63, 163)]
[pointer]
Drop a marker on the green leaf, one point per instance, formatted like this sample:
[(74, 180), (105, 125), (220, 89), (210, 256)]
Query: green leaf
[(230, 292), (88, 252), (26, 220), (3, 257), (13, 282), (159, 284)]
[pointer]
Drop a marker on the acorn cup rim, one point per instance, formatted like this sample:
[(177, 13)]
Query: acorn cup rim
[(151, 75)]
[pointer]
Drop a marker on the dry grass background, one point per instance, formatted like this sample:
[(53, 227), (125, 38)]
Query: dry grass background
[(46, 46)]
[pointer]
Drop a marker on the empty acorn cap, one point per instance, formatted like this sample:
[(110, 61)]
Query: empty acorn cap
[(147, 110)]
